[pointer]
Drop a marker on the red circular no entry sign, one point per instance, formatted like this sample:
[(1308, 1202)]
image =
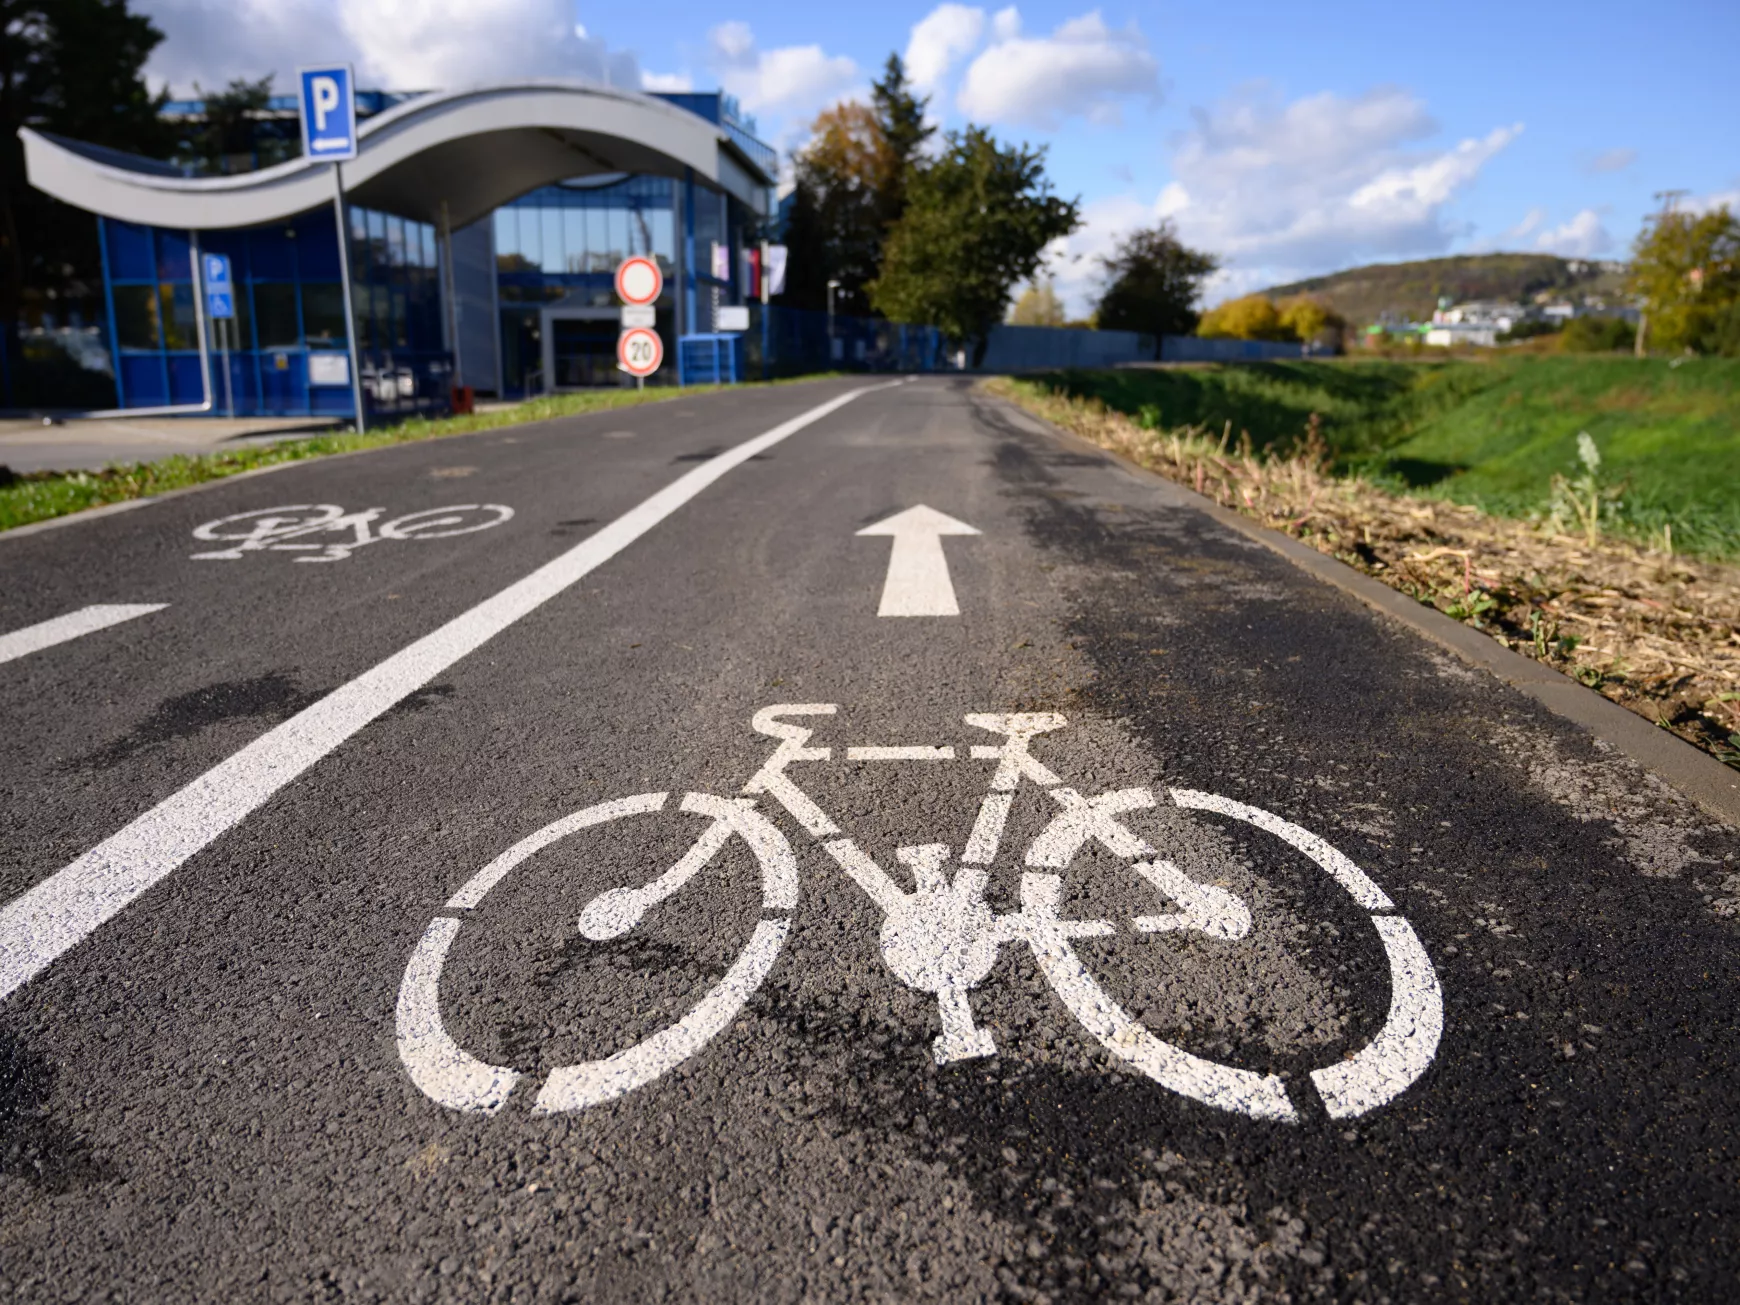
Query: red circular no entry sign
[(639, 281)]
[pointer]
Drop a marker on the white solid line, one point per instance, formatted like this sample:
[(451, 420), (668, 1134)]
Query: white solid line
[(56, 914), (911, 752), (87, 620)]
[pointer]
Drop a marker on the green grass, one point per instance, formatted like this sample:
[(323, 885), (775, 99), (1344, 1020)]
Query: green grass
[(1490, 433), (37, 496)]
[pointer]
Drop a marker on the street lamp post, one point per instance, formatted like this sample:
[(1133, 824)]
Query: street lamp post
[(832, 286)]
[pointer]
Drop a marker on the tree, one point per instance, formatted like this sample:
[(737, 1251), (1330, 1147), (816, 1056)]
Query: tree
[(224, 140), (900, 115), (1309, 319), (977, 221), (1686, 268), (72, 67), (1252, 318), (843, 176), (1038, 306), (1153, 283)]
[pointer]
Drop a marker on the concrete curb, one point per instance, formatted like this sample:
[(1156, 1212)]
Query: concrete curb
[(1713, 786)]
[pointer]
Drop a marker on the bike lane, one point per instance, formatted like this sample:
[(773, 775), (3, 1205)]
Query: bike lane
[(225, 1109), (106, 725)]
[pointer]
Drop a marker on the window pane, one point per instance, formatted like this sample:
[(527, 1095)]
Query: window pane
[(574, 238), (618, 220), (597, 241), (136, 316), (323, 314), (396, 255), (275, 315), (180, 330), (531, 239), (664, 236), (550, 219), (507, 238), (431, 257)]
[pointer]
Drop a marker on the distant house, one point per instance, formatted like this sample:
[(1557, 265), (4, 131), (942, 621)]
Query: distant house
[(1496, 313), (1444, 334)]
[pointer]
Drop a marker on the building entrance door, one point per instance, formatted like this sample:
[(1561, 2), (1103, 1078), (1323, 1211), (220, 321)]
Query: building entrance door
[(580, 347)]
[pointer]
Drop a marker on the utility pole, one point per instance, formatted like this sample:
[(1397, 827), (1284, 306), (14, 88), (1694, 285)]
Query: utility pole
[(1667, 199)]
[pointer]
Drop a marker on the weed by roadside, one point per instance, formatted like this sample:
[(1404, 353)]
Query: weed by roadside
[(1655, 632)]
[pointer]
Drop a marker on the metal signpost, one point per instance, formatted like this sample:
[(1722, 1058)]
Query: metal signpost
[(639, 283), (329, 132), (220, 306)]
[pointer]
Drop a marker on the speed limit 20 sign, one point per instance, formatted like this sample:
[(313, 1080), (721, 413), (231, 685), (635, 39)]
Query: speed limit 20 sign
[(639, 351)]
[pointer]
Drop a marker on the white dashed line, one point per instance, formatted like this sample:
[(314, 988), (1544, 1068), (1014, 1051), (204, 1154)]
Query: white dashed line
[(87, 620)]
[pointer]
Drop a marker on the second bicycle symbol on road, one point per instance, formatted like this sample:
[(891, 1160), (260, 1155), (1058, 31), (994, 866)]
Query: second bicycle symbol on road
[(942, 936), (325, 532)]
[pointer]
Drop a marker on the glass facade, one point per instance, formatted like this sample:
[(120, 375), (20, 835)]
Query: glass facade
[(289, 306), (566, 238)]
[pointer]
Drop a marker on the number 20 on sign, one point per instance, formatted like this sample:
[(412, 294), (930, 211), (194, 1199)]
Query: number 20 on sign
[(639, 351)]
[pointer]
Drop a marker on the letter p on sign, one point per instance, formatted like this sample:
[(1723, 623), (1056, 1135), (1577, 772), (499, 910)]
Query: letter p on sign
[(325, 101)]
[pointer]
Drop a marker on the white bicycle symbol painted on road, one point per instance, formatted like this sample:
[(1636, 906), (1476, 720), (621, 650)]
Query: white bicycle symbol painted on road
[(943, 938), (330, 534)]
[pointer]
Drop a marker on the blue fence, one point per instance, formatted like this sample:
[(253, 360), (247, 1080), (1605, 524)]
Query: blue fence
[(1191, 348), (710, 359)]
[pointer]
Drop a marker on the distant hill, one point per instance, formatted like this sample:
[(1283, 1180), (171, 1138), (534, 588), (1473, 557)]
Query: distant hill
[(1412, 290)]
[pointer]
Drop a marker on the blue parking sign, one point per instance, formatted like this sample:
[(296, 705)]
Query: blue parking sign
[(328, 112), (219, 293)]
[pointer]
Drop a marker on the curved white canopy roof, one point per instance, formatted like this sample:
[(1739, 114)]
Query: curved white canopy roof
[(474, 150)]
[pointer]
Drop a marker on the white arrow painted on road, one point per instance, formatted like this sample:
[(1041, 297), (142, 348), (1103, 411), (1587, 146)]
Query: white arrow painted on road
[(918, 581)]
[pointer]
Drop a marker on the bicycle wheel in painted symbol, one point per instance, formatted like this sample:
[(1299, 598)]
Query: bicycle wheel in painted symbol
[(942, 937), (325, 532)]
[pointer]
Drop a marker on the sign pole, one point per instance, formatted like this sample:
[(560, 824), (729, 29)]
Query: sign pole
[(224, 350), (342, 219), (328, 112)]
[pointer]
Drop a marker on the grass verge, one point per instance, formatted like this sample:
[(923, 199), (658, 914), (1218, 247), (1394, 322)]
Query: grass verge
[(37, 496), (1654, 632), (1490, 434)]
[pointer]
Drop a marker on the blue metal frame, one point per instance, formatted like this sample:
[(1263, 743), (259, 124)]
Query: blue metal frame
[(109, 310)]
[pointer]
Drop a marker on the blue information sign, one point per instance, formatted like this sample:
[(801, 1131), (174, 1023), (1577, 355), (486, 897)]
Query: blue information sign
[(328, 112), (220, 298)]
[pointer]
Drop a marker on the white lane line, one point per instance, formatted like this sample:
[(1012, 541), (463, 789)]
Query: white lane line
[(55, 915), (87, 620), (911, 752)]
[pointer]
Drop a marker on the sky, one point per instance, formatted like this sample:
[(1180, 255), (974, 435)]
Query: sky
[(1287, 139)]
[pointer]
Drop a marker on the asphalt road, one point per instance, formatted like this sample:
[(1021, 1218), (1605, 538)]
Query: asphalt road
[(285, 1020)]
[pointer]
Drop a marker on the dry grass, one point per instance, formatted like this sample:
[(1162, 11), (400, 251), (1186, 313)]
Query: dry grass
[(1655, 632)]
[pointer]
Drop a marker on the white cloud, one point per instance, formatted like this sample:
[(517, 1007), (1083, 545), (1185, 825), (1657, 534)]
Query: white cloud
[(941, 37), (1615, 160), (657, 81), (1531, 223), (1710, 203), (1320, 182), (1073, 262), (394, 44), (1084, 68), (1583, 236), (794, 79)]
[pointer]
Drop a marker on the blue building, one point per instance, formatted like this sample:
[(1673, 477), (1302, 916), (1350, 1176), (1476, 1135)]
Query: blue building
[(482, 231)]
